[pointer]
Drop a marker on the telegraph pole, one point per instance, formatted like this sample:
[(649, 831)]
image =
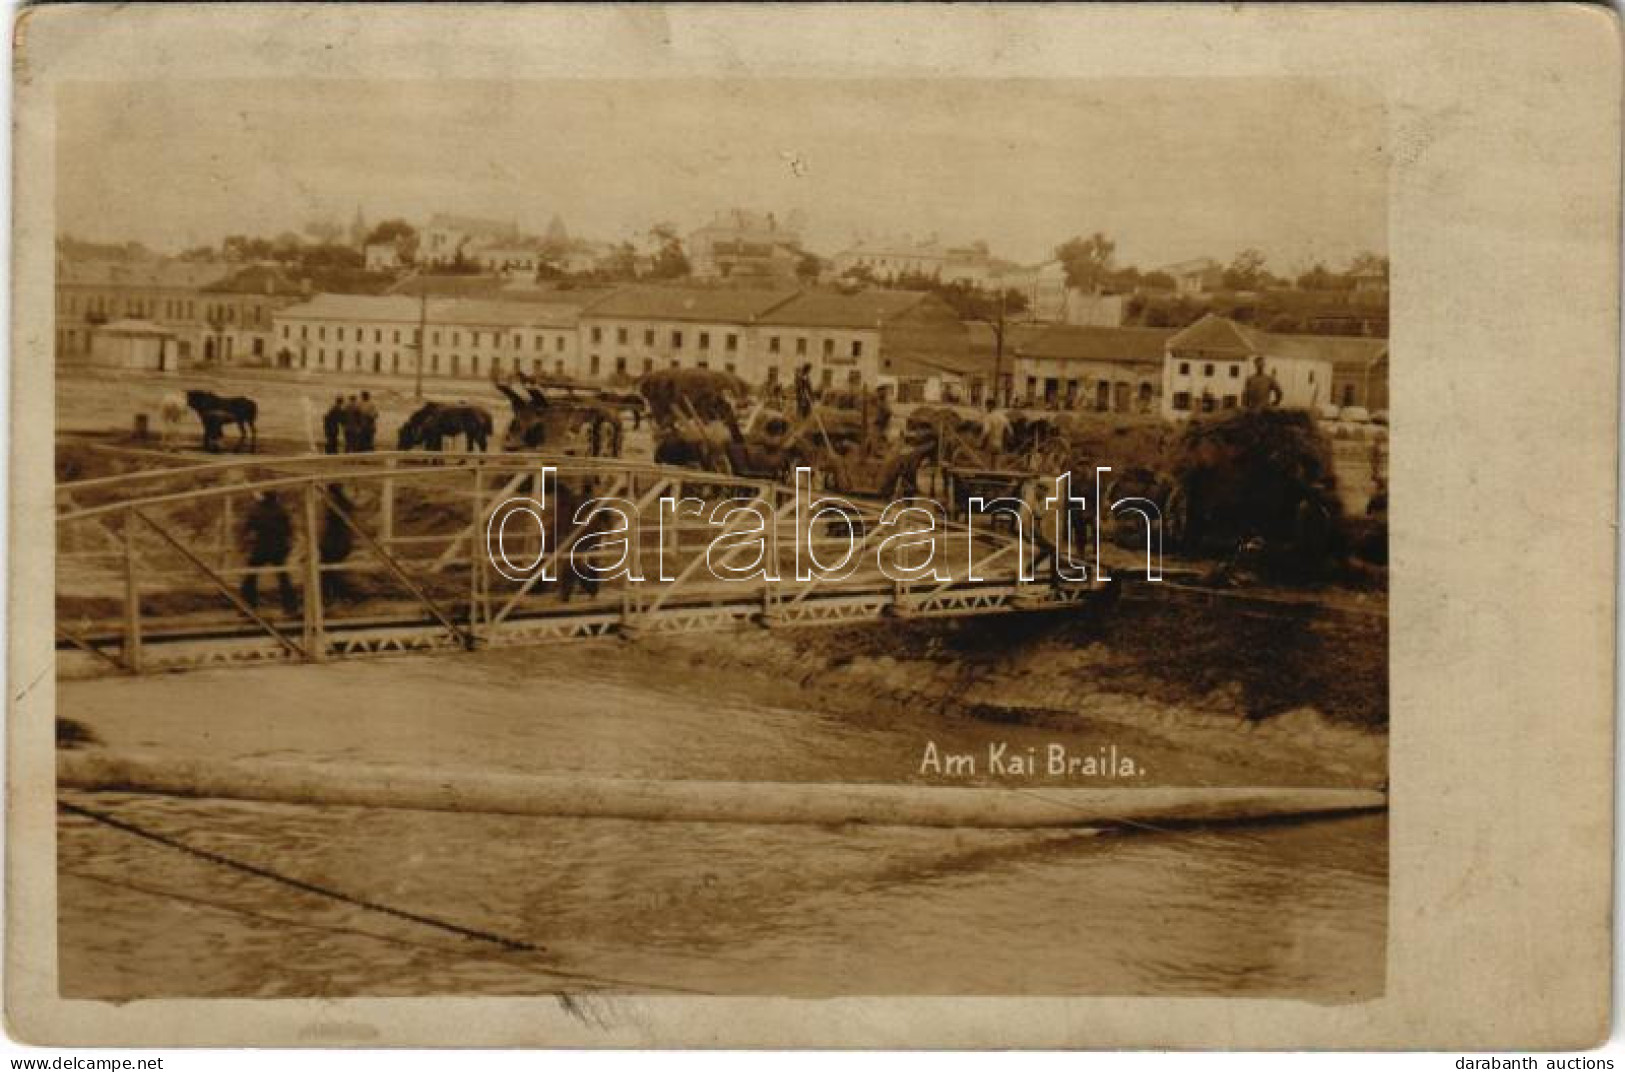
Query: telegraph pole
[(423, 330)]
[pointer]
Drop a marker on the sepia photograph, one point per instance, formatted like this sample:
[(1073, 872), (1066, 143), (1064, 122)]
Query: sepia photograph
[(777, 538), (733, 526)]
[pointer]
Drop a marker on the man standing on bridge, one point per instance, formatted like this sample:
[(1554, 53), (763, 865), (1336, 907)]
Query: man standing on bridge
[(268, 539), (332, 421), (367, 419)]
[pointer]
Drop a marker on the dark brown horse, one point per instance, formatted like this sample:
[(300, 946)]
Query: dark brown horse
[(216, 411), (435, 422)]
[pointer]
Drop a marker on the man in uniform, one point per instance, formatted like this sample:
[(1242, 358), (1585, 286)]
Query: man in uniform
[(995, 426), (804, 390), (332, 421), (268, 540), (1261, 390), (367, 420)]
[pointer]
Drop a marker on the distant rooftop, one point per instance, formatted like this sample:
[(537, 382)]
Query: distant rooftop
[(162, 273)]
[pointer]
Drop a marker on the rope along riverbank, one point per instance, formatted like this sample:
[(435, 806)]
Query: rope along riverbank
[(505, 942)]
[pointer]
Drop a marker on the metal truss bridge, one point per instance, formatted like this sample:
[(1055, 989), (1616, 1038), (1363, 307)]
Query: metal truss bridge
[(388, 555)]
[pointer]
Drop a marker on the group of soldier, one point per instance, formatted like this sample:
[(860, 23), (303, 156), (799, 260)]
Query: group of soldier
[(350, 424), (267, 537)]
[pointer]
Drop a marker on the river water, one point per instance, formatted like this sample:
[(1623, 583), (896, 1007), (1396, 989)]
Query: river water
[(1294, 910)]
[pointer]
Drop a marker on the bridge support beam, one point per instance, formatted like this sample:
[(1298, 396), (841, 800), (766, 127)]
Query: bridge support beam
[(315, 643)]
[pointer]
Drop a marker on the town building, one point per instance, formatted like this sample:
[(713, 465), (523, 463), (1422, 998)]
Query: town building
[(383, 257), (1193, 278), (238, 314), (909, 340), (1101, 369), (1207, 365), (456, 337), (450, 239), (134, 346), (746, 245), (509, 260), (891, 258), (1360, 373), (638, 329), (94, 293)]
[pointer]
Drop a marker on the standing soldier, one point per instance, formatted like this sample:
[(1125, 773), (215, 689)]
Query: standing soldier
[(883, 414), (352, 425), (367, 412), (268, 540), (332, 422), (995, 426), (804, 390), (336, 541), (1261, 390)]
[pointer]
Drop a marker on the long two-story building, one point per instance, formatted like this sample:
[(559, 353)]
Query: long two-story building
[(863, 339), (453, 337)]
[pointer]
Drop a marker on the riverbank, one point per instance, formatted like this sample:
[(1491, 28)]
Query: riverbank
[(1191, 696), (724, 908)]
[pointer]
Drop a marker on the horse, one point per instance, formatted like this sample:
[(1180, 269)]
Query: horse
[(216, 411), (434, 422), (537, 422)]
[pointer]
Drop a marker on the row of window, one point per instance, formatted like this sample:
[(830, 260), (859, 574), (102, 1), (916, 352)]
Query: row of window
[(730, 341), (1207, 403), (253, 314), (1235, 371), (381, 362), (378, 361), (476, 338), (1207, 370)]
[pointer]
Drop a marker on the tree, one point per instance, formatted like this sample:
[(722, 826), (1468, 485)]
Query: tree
[(1246, 271), (1317, 278), (670, 262), (330, 256), (1368, 263), (809, 267), (246, 248), (622, 262), (398, 231), (1087, 261), (325, 232)]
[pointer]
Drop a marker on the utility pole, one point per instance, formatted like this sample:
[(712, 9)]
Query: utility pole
[(997, 325), (423, 330)]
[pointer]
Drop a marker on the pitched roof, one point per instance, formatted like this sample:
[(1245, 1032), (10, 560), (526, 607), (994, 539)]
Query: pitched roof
[(257, 279), (1068, 342), (1347, 350), (462, 312), (869, 308), (159, 273), (1195, 264), (716, 305), (1216, 334)]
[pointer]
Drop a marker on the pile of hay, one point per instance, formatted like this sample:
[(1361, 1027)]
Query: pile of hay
[(704, 393), (1260, 475)]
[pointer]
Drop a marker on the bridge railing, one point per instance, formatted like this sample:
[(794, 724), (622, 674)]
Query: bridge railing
[(393, 551)]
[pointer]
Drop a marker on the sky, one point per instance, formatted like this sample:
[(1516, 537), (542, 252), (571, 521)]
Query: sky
[(1170, 169)]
